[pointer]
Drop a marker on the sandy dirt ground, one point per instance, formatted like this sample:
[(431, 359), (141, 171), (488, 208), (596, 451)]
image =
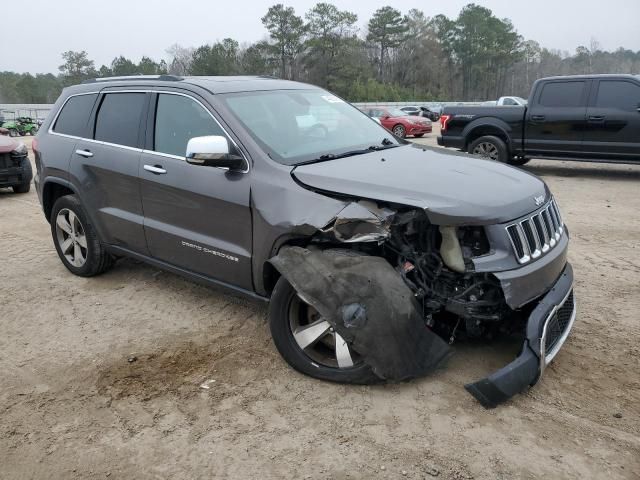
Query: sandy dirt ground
[(101, 378)]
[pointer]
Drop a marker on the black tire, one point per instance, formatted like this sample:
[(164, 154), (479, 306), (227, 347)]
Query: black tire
[(399, 131), (283, 295), (498, 146), (26, 186), (518, 161), (98, 260), (22, 188), (419, 135)]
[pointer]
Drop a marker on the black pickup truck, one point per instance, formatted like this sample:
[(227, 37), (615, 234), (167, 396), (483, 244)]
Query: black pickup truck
[(586, 118)]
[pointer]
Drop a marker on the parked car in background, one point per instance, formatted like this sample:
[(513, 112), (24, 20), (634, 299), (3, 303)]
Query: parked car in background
[(587, 118), (422, 112), (15, 168), (401, 123)]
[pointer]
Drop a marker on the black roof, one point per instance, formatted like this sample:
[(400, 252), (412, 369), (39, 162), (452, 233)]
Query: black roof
[(591, 77)]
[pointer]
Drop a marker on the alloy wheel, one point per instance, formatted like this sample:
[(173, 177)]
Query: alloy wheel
[(486, 150), (317, 338), (71, 237)]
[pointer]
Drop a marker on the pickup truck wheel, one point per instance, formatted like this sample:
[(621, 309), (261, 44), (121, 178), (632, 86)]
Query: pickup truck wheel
[(308, 342), (399, 131), (75, 239), (490, 147)]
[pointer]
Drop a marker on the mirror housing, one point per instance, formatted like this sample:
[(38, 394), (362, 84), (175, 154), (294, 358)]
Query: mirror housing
[(213, 151)]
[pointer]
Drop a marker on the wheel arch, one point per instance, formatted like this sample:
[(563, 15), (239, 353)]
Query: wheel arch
[(476, 130), (52, 190)]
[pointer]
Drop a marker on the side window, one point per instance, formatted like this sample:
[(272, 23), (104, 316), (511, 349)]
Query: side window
[(118, 119), (74, 115), (618, 94), (562, 94), (510, 101), (179, 119)]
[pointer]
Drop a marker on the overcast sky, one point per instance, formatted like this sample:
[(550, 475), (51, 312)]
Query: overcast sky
[(147, 27)]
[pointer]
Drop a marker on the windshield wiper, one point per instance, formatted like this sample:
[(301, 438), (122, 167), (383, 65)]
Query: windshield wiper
[(386, 144)]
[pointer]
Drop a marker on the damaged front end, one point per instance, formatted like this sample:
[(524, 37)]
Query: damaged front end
[(400, 290)]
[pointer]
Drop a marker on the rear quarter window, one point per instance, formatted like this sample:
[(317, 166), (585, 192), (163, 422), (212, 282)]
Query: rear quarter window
[(562, 94), (118, 119), (74, 116)]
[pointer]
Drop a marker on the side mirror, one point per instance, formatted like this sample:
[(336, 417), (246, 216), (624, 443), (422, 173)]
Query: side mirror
[(384, 117), (213, 151)]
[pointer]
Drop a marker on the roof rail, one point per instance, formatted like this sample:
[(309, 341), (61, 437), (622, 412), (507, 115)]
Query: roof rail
[(164, 78)]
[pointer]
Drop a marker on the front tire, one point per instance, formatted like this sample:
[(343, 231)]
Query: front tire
[(76, 240), (293, 325), (399, 131), (490, 147)]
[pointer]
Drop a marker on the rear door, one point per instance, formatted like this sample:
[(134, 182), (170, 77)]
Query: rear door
[(556, 121), (197, 218), (613, 120), (106, 168)]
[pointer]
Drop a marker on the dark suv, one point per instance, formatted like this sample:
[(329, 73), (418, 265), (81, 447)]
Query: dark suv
[(376, 254)]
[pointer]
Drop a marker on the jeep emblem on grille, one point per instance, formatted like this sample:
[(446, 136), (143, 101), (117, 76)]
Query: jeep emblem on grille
[(539, 200)]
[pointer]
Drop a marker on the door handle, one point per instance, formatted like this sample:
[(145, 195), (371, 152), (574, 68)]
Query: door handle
[(596, 118), (538, 118), (157, 169), (84, 153)]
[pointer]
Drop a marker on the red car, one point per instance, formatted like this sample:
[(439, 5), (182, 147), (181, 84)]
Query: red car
[(401, 124)]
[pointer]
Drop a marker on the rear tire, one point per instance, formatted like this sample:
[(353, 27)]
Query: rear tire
[(491, 148), (280, 324), (22, 188), (76, 240)]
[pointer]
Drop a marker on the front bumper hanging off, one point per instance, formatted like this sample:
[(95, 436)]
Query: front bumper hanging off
[(547, 329)]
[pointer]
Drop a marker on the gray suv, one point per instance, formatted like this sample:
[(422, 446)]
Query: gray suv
[(376, 254)]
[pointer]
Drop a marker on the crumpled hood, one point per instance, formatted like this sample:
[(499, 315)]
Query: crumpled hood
[(7, 144), (453, 188)]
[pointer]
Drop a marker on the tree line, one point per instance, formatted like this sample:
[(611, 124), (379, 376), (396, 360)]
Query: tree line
[(396, 57)]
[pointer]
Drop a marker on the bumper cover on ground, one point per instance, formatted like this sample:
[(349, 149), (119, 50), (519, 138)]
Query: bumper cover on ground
[(539, 347)]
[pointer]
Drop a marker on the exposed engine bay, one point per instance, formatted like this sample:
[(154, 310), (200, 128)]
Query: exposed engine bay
[(434, 262)]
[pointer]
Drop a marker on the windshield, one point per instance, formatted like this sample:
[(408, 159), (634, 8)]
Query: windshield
[(295, 126)]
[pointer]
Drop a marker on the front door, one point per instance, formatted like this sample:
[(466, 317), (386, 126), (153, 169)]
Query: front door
[(613, 121), (556, 120), (197, 218)]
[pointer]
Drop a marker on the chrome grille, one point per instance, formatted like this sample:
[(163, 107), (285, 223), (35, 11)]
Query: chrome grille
[(536, 234)]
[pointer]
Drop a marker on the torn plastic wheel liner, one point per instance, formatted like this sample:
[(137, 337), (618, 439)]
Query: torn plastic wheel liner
[(547, 329), (369, 305)]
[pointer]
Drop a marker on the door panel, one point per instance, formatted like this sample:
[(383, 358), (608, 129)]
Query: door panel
[(111, 192), (556, 121), (196, 217), (613, 121), (108, 173)]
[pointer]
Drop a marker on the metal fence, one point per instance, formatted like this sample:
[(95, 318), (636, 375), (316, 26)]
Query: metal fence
[(34, 110)]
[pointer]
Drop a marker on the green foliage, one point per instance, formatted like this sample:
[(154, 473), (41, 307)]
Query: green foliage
[(411, 57), (387, 30), (286, 30)]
